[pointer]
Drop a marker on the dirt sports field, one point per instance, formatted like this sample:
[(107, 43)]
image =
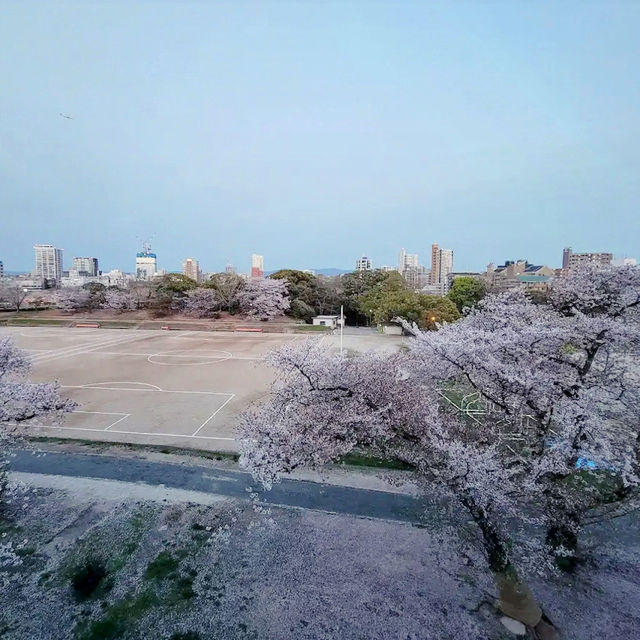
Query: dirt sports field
[(178, 388)]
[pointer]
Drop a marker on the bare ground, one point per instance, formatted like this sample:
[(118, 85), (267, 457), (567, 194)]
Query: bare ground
[(174, 565)]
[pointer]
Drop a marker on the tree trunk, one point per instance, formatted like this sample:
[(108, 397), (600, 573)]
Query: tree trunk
[(514, 597), (562, 537), (563, 527)]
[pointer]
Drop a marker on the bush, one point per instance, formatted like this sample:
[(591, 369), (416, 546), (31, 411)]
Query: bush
[(302, 311), (87, 577), (161, 567)]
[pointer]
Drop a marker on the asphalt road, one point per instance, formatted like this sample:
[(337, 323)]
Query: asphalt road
[(232, 484)]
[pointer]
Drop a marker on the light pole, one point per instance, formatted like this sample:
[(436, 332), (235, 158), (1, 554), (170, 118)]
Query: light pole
[(341, 325)]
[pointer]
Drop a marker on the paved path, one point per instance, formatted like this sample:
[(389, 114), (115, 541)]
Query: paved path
[(232, 484)]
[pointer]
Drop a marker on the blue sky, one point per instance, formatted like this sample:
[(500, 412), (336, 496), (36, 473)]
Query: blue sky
[(313, 132)]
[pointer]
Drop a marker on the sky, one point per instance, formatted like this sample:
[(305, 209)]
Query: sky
[(315, 132)]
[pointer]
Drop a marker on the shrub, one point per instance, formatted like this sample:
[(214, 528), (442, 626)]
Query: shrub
[(87, 577)]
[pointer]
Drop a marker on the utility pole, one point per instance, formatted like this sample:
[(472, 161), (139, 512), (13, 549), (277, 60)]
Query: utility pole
[(341, 325)]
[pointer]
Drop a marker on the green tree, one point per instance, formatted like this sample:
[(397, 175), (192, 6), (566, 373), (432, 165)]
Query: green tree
[(175, 283), (301, 310), (300, 285), (97, 298), (466, 292), (306, 291), (362, 283), (168, 290), (228, 286), (391, 299), (437, 309)]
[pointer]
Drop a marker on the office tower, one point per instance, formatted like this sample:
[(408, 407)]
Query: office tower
[(441, 267), (86, 266), (48, 264), (191, 269), (146, 263), (257, 266), (407, 261)]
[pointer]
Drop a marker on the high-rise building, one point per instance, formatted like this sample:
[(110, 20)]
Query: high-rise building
[(441, 267), (625, 262), (191, 269), (48, 264), (363, 264), (407, 261), (229, 268), (572, 260), (409, 268), (146, 263), (1, 270), (86, 266), (257, 266)]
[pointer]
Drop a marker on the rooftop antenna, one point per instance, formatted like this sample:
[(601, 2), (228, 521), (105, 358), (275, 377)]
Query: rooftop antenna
[(146, 244)]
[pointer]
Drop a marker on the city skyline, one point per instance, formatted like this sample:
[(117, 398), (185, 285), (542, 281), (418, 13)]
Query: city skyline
[(422, 257), (307, 131)]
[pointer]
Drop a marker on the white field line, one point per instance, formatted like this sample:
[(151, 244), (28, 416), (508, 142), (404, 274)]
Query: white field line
[(76, 347), (198, 354), (113, 424), (102, 413), (96, 385), (53, 352), (135, 433), (155, 390), (213, 415), (106, 413), (169, 354), (82, 349)]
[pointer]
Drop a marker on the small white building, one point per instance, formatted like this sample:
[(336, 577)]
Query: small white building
[(327, 321)]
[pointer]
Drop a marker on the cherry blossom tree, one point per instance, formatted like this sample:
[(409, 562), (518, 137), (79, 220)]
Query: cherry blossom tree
[(201, 303), (121, 301), (20, 400), (523, 414), (73, 299), (13, 294), (323, 406), (264, 298)]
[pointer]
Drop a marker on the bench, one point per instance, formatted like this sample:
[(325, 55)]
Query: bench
[(250, 329), (88, 325)]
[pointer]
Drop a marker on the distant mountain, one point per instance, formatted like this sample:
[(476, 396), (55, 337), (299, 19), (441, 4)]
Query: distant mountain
[(329, 271)]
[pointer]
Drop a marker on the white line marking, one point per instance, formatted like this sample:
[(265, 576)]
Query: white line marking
[(198, 354), (171, 354), (103, 413), (113, 424), (213, 415), (85, 348), (135, 433), (84, 386), (61, 350), (95, 385)]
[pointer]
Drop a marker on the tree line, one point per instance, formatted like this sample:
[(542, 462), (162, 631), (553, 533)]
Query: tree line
[(368, 297)]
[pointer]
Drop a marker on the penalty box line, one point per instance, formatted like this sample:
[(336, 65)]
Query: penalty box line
[(122, 417), (152, 389)]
